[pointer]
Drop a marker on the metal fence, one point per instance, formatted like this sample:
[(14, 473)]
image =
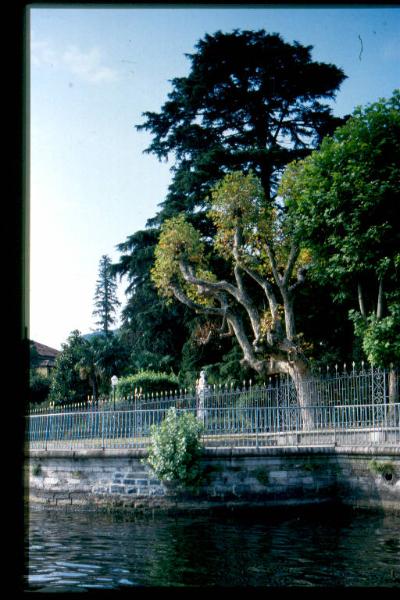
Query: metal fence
[(348, 409)]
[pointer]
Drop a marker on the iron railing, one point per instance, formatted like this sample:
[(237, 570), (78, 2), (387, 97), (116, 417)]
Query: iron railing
[(347, 409)]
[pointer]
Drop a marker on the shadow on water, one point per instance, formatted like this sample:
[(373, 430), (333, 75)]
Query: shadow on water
[(329, 547)]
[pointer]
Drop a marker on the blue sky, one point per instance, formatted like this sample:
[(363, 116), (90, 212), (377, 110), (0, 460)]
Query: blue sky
[(92, 73)]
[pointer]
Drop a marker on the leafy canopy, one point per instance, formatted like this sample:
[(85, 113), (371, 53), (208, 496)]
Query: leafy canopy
[(380, 337), (345, 198), (243, 221), (346, 195), (179, 241)]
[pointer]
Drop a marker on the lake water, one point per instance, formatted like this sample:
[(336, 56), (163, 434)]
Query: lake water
[(72, 551)]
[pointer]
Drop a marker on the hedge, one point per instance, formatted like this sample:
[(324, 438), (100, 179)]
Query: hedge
[(148, 381)]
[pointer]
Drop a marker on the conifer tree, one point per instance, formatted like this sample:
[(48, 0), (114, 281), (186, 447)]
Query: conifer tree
[(105, 298)]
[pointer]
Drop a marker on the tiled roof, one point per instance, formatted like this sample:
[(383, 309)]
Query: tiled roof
[(45, 351)]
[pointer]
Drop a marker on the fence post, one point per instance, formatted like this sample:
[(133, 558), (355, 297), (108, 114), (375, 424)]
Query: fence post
[(257, 425), (334, 425), (47, 432)]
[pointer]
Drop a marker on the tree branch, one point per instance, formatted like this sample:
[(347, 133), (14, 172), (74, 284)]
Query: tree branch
[(239, 293), (293, 256), (274, 265), (207, 310), (301, 277), (361, 300)]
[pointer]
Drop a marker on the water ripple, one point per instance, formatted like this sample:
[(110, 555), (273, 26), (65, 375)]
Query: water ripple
[(78, 551)]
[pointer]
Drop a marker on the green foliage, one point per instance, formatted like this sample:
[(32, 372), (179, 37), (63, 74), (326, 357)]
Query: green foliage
[(238, 200), (346, 194), (175, 450), (220, 357), (238, 204), (85, 366), (382, 467), (106, 300), (250, 101), (380, 337), (179, 241), (39, 387), (153, 330), (345, 199), (148, 361), (148, 382), (67, 386), (37, 470), (229, 370)]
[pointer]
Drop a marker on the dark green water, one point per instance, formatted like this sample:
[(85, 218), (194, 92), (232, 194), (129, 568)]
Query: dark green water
[(330, 547)]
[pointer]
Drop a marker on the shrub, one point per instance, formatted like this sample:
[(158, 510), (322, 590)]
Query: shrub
[(39, 387), (175, 449), (386, 469), (148, 381)]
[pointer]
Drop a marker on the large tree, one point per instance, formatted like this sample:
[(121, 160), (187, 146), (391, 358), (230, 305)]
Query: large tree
[(105, 298), (346, 197), (268, 264), (251, 101), (335, 216)]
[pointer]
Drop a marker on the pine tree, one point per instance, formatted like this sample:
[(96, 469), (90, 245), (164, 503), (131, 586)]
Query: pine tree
[(105, 298)]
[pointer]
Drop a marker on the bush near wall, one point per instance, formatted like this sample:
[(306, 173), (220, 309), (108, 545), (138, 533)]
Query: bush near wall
[(176, 448), (39, 387), (148, 381)]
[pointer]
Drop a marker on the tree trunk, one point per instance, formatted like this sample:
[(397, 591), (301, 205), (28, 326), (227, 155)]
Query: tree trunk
[(94, 388), (300, 375), (379, 304), (393, 391), (361, 300), (393, 386), (299, 372)]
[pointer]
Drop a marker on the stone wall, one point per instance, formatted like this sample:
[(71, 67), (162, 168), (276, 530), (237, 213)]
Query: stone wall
[(237, 477)]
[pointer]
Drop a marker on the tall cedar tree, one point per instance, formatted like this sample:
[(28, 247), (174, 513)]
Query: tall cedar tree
[(105, 298), (250, 102)]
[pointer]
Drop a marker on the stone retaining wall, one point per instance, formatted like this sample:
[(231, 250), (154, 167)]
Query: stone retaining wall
[(236, 477)]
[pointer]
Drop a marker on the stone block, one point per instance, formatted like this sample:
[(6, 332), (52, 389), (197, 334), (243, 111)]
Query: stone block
[(308, 480), (279, 475), (50, 481), (117, 489), (156, 491)]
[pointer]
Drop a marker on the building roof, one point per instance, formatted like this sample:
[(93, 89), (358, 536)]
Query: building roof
[(45, 351)]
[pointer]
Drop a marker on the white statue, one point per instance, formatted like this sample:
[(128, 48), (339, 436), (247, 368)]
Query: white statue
[(201, 387)]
